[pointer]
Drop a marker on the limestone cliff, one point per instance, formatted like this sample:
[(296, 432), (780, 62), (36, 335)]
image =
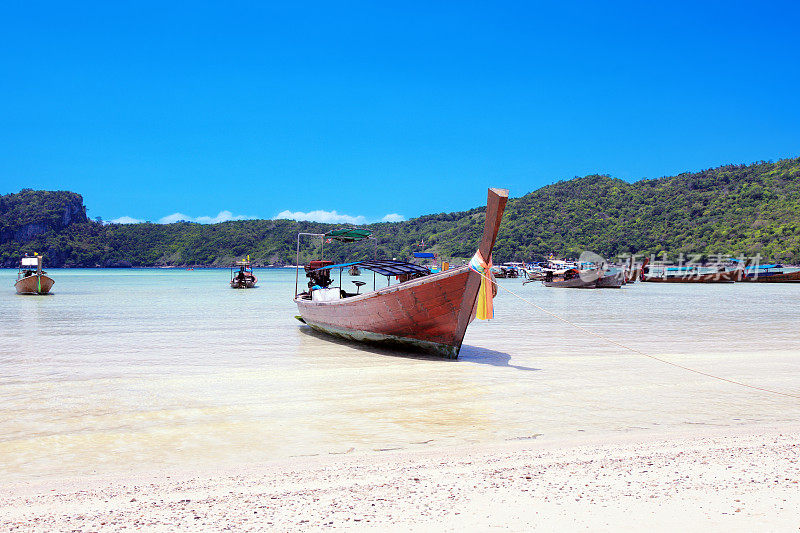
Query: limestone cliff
[(29, 213)]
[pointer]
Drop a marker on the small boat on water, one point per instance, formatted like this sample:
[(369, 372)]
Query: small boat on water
[(243, 278), (515, 270), (572, 278), (505, 271), (772, 274), (424, 310), (535, 272), (354, 271), (31, 279)]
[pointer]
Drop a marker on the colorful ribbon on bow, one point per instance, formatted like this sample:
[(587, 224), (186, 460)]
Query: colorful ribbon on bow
[(485, 294)]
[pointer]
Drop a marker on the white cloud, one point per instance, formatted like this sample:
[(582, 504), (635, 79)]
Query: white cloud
[(320, 215), (222, 216), (174, 217), (125, 220), (334, 217), (329, 217)]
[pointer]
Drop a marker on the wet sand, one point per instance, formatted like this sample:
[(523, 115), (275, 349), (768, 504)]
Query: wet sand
[(730, 479)]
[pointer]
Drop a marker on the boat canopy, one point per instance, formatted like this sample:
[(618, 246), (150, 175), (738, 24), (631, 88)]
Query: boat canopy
[(349, 234), (384, 267), (424, 255)]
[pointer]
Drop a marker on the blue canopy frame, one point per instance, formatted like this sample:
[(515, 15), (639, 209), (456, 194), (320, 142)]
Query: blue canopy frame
[(384, 267)]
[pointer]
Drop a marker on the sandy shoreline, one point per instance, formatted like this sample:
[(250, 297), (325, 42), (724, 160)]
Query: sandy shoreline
[(727, 479)]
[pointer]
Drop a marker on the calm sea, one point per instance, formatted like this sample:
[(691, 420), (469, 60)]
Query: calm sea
[(124, 369)]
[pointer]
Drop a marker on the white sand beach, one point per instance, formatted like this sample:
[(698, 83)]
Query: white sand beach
[(167, 422), (728, 480)]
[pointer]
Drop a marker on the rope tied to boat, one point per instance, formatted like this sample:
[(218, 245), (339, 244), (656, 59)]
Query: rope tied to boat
[(634, 350), (486, 292)]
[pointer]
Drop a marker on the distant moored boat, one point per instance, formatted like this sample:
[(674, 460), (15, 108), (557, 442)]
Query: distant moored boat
[(31, 279), (572, 278), (244, 277), (772, 274), (694, 274)]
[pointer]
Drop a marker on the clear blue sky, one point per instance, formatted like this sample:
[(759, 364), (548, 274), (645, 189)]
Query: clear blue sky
[(153, 108)]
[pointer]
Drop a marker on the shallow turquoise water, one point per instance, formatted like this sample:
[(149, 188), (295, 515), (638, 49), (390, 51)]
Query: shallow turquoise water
[(123, 369)]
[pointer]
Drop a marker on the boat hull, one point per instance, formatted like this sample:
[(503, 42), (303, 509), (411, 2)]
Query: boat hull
[(574, 283), (244, 284), (36, 284), (787, 277), (613, 279), (714, 277), (429, 314), (588, 279)]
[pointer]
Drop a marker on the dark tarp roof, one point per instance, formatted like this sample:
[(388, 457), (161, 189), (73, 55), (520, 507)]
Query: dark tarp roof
[(384, 267)]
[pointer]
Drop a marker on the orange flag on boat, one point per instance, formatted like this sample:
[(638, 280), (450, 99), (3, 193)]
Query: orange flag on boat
[(485, 309)]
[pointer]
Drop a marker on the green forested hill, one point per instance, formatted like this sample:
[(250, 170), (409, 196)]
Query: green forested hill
[(734, 209), (29, 213)]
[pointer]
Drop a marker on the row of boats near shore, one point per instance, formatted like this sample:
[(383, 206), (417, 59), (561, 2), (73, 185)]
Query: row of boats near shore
[(590, 275), (418, 307)]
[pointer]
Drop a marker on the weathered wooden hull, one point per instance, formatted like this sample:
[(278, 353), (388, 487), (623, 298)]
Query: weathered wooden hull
[(612, 279), (430, 313), (574, 283), (610, 282), (788, 277), (588, 279), (36, 284), (714, 277)]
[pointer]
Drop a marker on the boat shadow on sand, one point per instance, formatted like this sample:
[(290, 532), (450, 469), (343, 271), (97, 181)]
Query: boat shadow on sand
[(468, 354)]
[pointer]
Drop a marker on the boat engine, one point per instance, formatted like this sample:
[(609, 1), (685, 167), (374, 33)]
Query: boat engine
[(316, 277)]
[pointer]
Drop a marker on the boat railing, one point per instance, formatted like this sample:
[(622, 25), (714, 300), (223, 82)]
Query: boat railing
[(348, 235)]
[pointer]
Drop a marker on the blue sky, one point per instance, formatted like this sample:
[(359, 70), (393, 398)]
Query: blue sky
[(251, 109)]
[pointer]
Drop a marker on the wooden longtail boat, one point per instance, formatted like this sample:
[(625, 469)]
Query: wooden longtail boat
[(30, 281), (573, 279), (429, 311), (722, 276), (244, 277)]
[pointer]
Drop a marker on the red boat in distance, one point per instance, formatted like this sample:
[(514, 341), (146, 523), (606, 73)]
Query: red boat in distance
[(422, 310)]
